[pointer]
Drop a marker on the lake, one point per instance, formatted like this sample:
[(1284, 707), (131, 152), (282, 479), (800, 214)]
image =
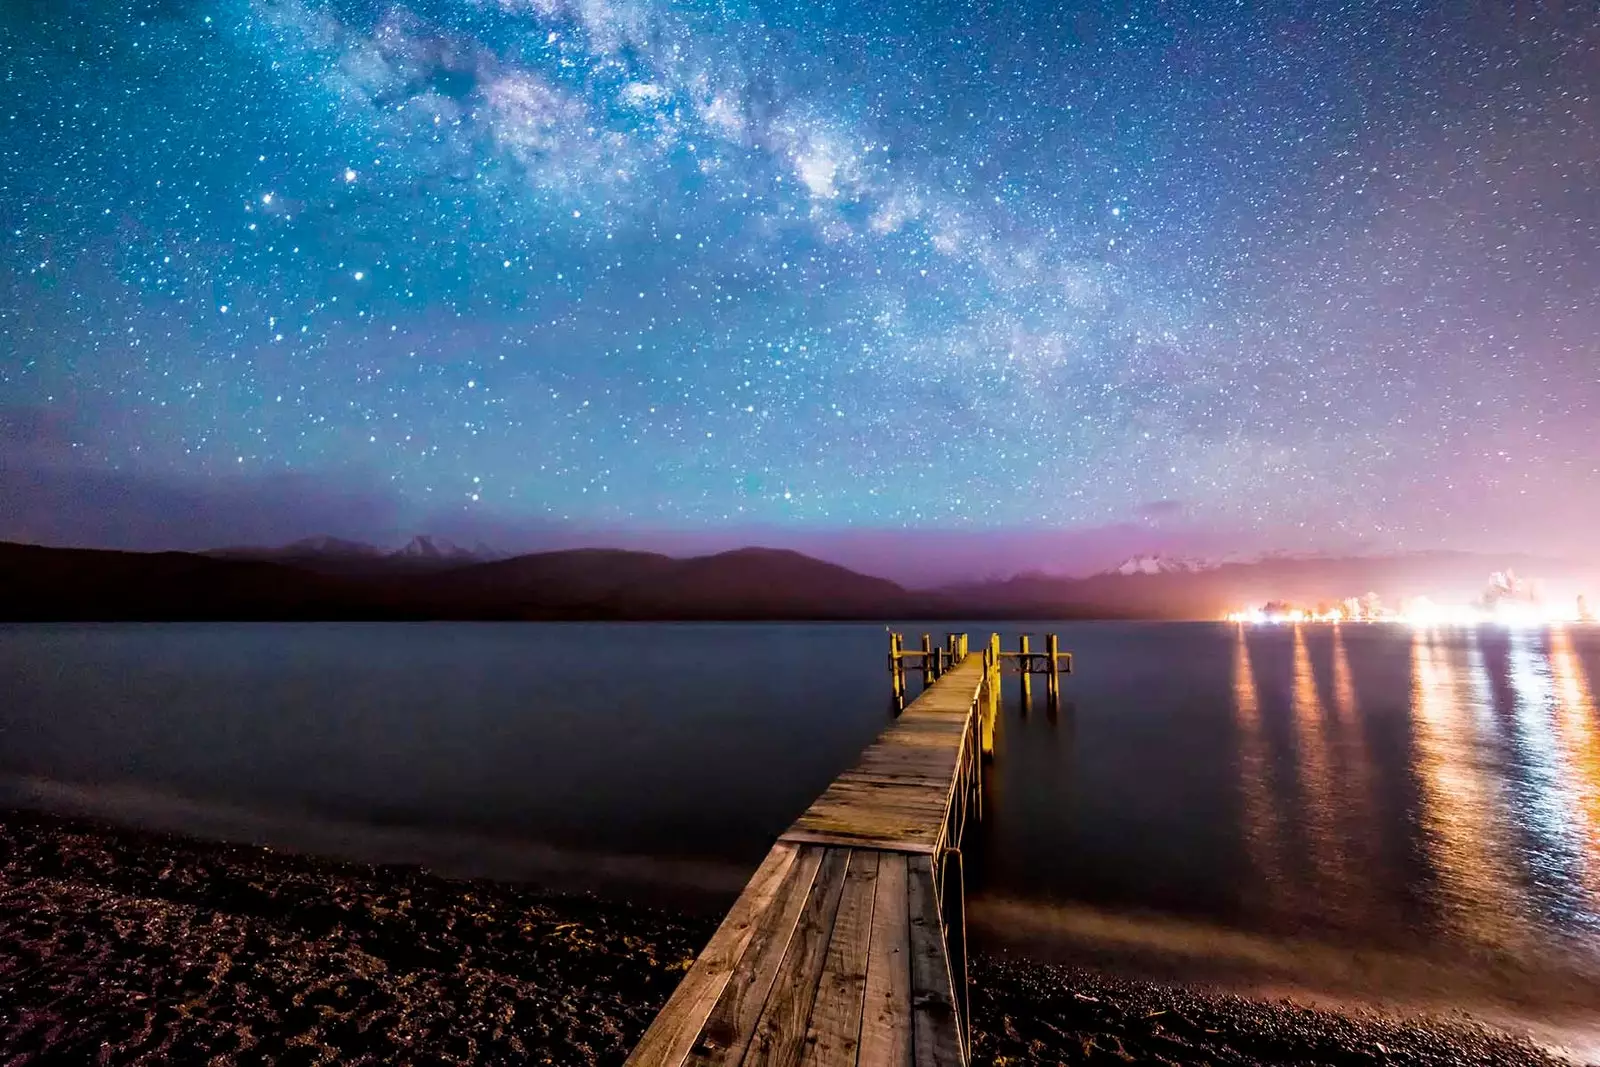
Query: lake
[(1356, 810)]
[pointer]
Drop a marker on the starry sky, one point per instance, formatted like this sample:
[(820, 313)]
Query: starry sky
[(1063, 279)]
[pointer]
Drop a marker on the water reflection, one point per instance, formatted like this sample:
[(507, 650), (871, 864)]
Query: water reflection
[(1553, 845), (1344, 689), (1316, 782), (1579, 737), (1362, 829), (1262, 835), (1460, 817)]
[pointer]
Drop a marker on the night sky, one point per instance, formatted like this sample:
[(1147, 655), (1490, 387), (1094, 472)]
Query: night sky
[(1089, 278)]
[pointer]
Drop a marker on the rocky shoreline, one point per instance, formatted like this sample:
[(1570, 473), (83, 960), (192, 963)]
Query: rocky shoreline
[(122, 947)]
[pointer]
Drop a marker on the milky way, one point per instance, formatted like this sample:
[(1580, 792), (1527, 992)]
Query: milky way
[(1326, 268)]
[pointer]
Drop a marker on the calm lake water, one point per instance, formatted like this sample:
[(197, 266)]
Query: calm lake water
[(1365, 809)]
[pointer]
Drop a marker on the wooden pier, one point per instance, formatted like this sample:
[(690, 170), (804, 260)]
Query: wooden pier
[(932, 660), (848, 945)]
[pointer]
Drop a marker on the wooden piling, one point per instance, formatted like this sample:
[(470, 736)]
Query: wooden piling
[(897, 667), (1052, 648), (1026, 660), (991, 705)]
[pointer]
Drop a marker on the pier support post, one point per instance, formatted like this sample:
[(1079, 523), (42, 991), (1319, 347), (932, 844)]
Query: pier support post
[(927, 661), (991, 700), (897, 668), (981, 713), (1052, 648), (1024, 658)]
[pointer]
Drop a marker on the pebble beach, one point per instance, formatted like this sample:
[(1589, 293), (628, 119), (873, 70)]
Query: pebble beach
[(128, 947)]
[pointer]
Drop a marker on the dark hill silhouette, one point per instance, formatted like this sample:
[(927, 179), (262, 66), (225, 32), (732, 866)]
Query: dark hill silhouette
[(749, 583), (56, 583), (68, 584), (585, 580)]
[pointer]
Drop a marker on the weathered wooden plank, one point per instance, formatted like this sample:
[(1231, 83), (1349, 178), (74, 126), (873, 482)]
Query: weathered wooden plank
[(912, 789), (934, 764), (922, 845), (781, 1031), (886, 1009), (914, 737), (884, 797), (883, 819), (889, 749), (909, 801), (673, 1033), (893, 786), (919, 775), (732, 1021), (884, 835), (896, 767), (935, 1034), (863, 818), (866, 821), (864, 794), (834, 1028), (916, 772)]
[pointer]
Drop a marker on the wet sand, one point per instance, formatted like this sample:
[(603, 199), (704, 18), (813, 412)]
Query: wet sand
[(119, 946)]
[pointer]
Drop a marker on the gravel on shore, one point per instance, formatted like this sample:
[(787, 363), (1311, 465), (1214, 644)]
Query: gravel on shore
[(124, 947), (1026, 1012)]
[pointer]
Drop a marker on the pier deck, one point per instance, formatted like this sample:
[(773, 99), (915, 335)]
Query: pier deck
[(835, 953)]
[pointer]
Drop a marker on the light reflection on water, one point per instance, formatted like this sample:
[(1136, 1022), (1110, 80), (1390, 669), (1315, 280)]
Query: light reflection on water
[(1426, 796), (1317, 787), (1578, 731), (1354, 763), (1262, 830), (1416, 814), (1461, 813), (1553, 844)]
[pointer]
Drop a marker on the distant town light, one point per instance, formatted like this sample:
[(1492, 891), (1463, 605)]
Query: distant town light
[(1508, 601)]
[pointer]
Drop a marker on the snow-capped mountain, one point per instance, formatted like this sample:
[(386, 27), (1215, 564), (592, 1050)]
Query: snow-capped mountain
[(333, 555), (424, 547), (1159, 564)]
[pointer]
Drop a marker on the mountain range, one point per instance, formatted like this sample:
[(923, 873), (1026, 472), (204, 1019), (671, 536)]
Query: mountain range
[(1159, 564), (326, 578), (333, 555)]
